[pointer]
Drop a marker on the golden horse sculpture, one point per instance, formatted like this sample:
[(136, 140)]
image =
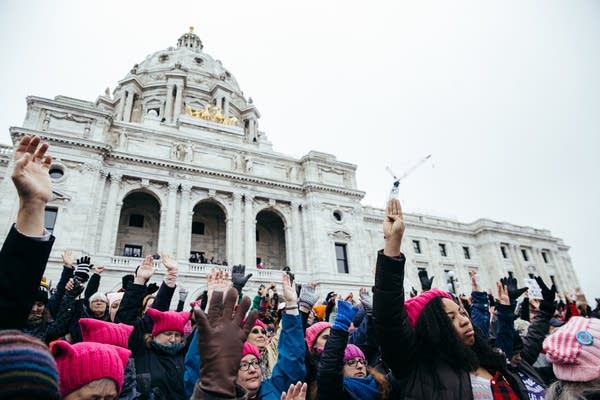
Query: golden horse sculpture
[(211, 113)]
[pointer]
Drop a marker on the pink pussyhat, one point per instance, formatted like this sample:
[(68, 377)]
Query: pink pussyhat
[(94, 330), (414, 306), (168, 320)]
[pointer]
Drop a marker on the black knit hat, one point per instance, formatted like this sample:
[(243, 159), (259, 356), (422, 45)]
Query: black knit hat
[(42, 292)]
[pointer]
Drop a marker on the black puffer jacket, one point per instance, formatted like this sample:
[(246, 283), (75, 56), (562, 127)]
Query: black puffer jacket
[(398, 344)]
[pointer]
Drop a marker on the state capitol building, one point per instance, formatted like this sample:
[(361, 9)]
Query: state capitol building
[(173, 161)]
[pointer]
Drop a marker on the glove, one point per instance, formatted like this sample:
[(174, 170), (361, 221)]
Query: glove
[(343, 318), (367, 301), (152, 288), (237, 277), (221, 342), (77, 288), (183, 294), (413, 292), (307, 298), (511, 285), (548, 294), (82, 269), (425, 280), (491, 300)]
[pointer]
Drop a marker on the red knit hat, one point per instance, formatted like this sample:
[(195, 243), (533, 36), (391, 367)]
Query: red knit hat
[(313, 332), (168, 320), (414, 306), (95, 330), (249, 348), (85, 362)]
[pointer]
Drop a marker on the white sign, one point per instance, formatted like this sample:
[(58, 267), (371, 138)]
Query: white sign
[(534, 289)]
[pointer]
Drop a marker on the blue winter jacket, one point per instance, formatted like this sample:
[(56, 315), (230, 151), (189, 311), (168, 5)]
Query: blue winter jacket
[(288, 369)]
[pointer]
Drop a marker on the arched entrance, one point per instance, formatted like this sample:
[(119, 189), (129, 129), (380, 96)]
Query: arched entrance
[(270, 240), (209, 233), (139, 224)]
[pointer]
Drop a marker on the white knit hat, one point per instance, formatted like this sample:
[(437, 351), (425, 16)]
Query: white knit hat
[(98, 296)]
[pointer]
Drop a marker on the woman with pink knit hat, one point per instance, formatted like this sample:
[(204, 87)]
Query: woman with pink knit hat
[(343, 372), (429, 341), (574, 351), (157, 340)]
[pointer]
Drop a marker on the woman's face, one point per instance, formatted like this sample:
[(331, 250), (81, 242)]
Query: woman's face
[(258, 337), (102, 389), (322, 339), (249, 374), (355, 368), (97, 307), (460, 321), (169, 337)]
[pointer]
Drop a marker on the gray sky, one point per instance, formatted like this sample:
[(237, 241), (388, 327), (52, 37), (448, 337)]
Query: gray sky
[(504, 94)]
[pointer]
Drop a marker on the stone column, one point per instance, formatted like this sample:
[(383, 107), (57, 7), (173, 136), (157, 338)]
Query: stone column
[(236, 221), (306, 244), (169, 104), (250, 237), (162, 231), (184, 237), (225, 107), (169, 247), (296, 260), (228, 241), (289, 252), (540, 265), (121, 105), (519, 268), (128, 107), (178, 102), (94, 217), (109, 214)]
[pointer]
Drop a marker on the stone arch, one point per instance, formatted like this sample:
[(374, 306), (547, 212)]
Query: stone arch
[(139, 224), (270, 238), (209, 232)]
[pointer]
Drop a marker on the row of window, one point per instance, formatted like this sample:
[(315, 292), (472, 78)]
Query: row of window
[(443, 251), (524, 254)]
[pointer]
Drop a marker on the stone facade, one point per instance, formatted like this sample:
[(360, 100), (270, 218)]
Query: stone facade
[(173, 161)]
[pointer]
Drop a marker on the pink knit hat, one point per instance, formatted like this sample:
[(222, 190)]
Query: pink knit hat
[(352, 352), (168, 320), (249, 348), (574, 350), (313, 332), (414, 306), (114, 296), (94, 330), (85, 362), (260, 323)]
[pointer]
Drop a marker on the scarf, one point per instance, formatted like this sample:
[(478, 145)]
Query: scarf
[(363, 388), (171, 349)]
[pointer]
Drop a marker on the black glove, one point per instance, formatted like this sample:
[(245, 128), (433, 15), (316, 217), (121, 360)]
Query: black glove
[(425, 280), (152, 288), (82, 269), (77, 288), (413, 292), (549, 295), (491, 300), (238, 278), (511, 285)]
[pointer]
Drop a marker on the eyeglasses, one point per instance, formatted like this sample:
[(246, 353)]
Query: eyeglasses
[(355, 362), (245, 365), (256, 331)]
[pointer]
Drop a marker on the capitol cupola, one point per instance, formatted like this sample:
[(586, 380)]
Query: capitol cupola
[(190, 40)]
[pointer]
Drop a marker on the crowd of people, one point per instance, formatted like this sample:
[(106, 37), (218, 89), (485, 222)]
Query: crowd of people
[(79, 342)]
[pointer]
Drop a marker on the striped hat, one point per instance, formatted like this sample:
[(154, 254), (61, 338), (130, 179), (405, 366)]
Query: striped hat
[(27, 369)]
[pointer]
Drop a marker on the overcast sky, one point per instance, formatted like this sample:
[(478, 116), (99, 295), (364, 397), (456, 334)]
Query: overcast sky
[(504, 94)]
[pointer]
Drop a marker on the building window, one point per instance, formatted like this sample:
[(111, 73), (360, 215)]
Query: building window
[(197, 228), (443, 250), (50, 214), (341, 258), (132, 250), (504, 251), (467, 253), (136, 220), (525, 256), (545, 257), (337, 215), (56, 172), (416, 246)]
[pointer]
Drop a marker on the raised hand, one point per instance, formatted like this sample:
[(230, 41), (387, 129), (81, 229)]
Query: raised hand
[(366, 299), (145, 271), (503, 296), (99, 269), (393, 228), (67, 257), (170, 264), (425, 280), (32, 181), (474, 282), (511, 285), (183, 294), (295, 392), (289, 294), (308, 297), (237, 277), (548, 295), (221, 340)]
